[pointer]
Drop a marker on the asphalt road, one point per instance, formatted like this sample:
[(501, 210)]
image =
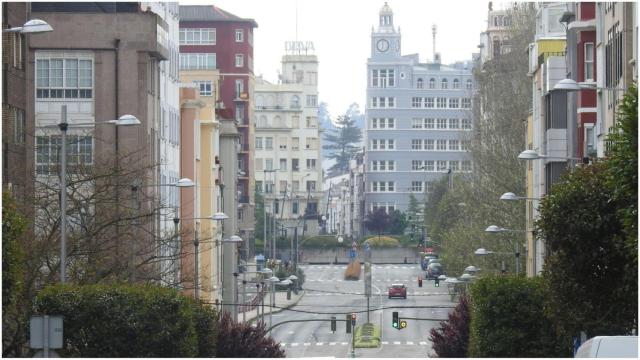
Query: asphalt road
[(327, 294)]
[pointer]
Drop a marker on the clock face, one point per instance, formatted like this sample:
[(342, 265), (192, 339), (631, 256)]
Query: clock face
[(382, 45)]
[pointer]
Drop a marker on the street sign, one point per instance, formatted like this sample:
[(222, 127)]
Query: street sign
[(39, 336)]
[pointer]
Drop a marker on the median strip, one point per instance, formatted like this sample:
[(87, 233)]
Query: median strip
[(367, 336)]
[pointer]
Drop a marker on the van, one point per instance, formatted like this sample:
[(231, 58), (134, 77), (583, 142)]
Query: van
[(609, 347)]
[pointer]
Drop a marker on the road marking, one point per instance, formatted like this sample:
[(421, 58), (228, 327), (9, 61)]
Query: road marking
[(397, 343), (319, 344), (306, 344), (294, 344), (385, 343), (423, 343), (344, 343), (409, 342), (291, 332), (331, 343), (283, 344)]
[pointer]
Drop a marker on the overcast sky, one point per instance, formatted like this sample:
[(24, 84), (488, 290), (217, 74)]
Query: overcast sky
[(340, 31)]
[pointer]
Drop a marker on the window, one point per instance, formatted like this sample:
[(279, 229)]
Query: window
[(312, 122), (441, 144), (283, 164), (239, 35), (416, 144), (382, 102), (416, 186), (441, 102), (294, 207), (311, 78), (469, 84), (193, 61), (429, 123), (19, 125), (444, 83), (590, 140), (441, 165), (295, 102), (456, 84), (374, 123), (239, 60), (295, 143), (383, 186), (295, 185), (258, 143), (391, 123), (416, 165), (454, 123), (240, 113), (391, 144), (268, 164), (268, 143), (428, 186), (311, 164), (282, 186), (429, 144), (312, 100), (420, 83), (79, 154), (383, 166), (197, 36), (466, 165), (454, 145), (589, 74), (432, 83), (465, 145), (258, 186), (205, 88), (429, 165), (442, 124), (282, 143), (466, 124), (268, 187), (454, 103), (383, 78), (429, 102), (295, 122), (312, 143), (466, 103), (58, 78), (454, 165), (416, 123), (416, 102), (239, 87), (311, 185), (18, 50)]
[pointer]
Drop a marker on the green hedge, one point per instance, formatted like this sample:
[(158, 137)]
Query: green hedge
[(382, 241), (508, 320), (129, 321)]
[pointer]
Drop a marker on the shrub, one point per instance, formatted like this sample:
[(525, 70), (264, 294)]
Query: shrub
[(382, 241), (284, 272), (125, 321), (206, 325), (353, 271), (508, 320), (451, 339), (243, 340)]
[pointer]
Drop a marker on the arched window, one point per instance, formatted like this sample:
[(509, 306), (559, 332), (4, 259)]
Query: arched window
[(262, 121), (456, 84), (444, 84), (277, 122), (469, 84), (420, 84), (295, 101), (432, 83)]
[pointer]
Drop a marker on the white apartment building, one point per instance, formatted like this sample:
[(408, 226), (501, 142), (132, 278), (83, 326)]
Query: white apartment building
[(288, 167)]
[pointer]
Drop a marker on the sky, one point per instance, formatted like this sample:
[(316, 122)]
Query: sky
[(341, 29)]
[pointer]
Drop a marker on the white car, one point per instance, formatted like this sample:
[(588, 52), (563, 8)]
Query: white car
[(609, 347)]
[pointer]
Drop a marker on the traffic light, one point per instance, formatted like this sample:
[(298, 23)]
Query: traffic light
[(348, 324), (437, 282), (333, 324), (396, 322)]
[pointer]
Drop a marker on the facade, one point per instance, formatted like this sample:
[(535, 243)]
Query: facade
[(211, 38), (495, 40), (100, 71), (419, 120), (343, 201), (288, 163)]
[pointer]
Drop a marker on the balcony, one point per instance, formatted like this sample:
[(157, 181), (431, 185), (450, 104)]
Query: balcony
[(243, 199), (243, 96), (542, 57), (293, 107)]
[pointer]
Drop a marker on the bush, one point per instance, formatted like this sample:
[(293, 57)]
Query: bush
[(353, 271), (451, 339), (243, 340), (382, 241), (284, 272), (128, 321), (508, 320), (324, 242)]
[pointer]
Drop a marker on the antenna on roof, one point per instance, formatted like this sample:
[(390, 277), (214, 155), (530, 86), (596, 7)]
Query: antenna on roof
[(434, 29)]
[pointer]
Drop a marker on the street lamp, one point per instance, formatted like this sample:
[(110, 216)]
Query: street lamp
[(33, 26), (272, 299), (509, 196), (572, 85), (533, 155), (497, 229), (125, 120)]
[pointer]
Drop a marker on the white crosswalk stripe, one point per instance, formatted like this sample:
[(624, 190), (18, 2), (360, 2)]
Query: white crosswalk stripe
[(409, 342), (344, 343), (294, 344), (307, 344), (397, 342), (332, 344), (283, 344), (319, 344), (384, 342), (423, 343)]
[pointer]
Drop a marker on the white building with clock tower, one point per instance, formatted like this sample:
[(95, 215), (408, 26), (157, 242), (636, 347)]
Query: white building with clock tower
[(419, 120)]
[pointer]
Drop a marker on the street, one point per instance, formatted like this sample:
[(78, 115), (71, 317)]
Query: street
[(327, 294)]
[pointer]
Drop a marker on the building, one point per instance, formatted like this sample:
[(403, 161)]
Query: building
[(287, 139), (212, 38), (495, 40), (418, 120), (104, 60)]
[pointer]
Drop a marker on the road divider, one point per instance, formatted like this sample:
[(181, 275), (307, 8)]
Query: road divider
[(367, 336)]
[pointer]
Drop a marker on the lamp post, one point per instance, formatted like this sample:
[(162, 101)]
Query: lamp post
[(497, 229), (34, 26), (509, 196), (265, 272), (125, 120), (272, 299)]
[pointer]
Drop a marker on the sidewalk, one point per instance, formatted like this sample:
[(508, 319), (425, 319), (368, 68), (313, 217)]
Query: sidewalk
[(281, 303)]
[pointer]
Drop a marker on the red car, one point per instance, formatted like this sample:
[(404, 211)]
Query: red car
[(398, 290)]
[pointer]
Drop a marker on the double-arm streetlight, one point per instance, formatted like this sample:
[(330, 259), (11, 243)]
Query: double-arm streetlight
[(497, 229)]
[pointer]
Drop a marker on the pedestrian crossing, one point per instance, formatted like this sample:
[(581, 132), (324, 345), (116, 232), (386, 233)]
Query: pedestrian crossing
[(386, 281), (417, 293), (345, 343)]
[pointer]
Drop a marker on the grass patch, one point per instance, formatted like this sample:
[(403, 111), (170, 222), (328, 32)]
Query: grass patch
[(367, 336)]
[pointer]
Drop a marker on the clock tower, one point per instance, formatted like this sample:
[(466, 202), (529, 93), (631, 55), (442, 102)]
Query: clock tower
[(385, 40)]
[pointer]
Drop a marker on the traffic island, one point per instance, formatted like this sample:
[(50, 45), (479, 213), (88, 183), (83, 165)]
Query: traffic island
[(353, 271), (367, 336)]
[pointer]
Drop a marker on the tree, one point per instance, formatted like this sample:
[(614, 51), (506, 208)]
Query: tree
[(243, 340), (342, 142), (377, 221), (397, 222), (451, 339), (587, 269)]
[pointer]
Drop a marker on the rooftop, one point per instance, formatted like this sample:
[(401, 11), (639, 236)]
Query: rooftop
[(209, 13)]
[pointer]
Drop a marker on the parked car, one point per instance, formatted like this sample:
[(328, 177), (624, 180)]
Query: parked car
[(434, 270), (609, 347), (398, 290), (425, 261)]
